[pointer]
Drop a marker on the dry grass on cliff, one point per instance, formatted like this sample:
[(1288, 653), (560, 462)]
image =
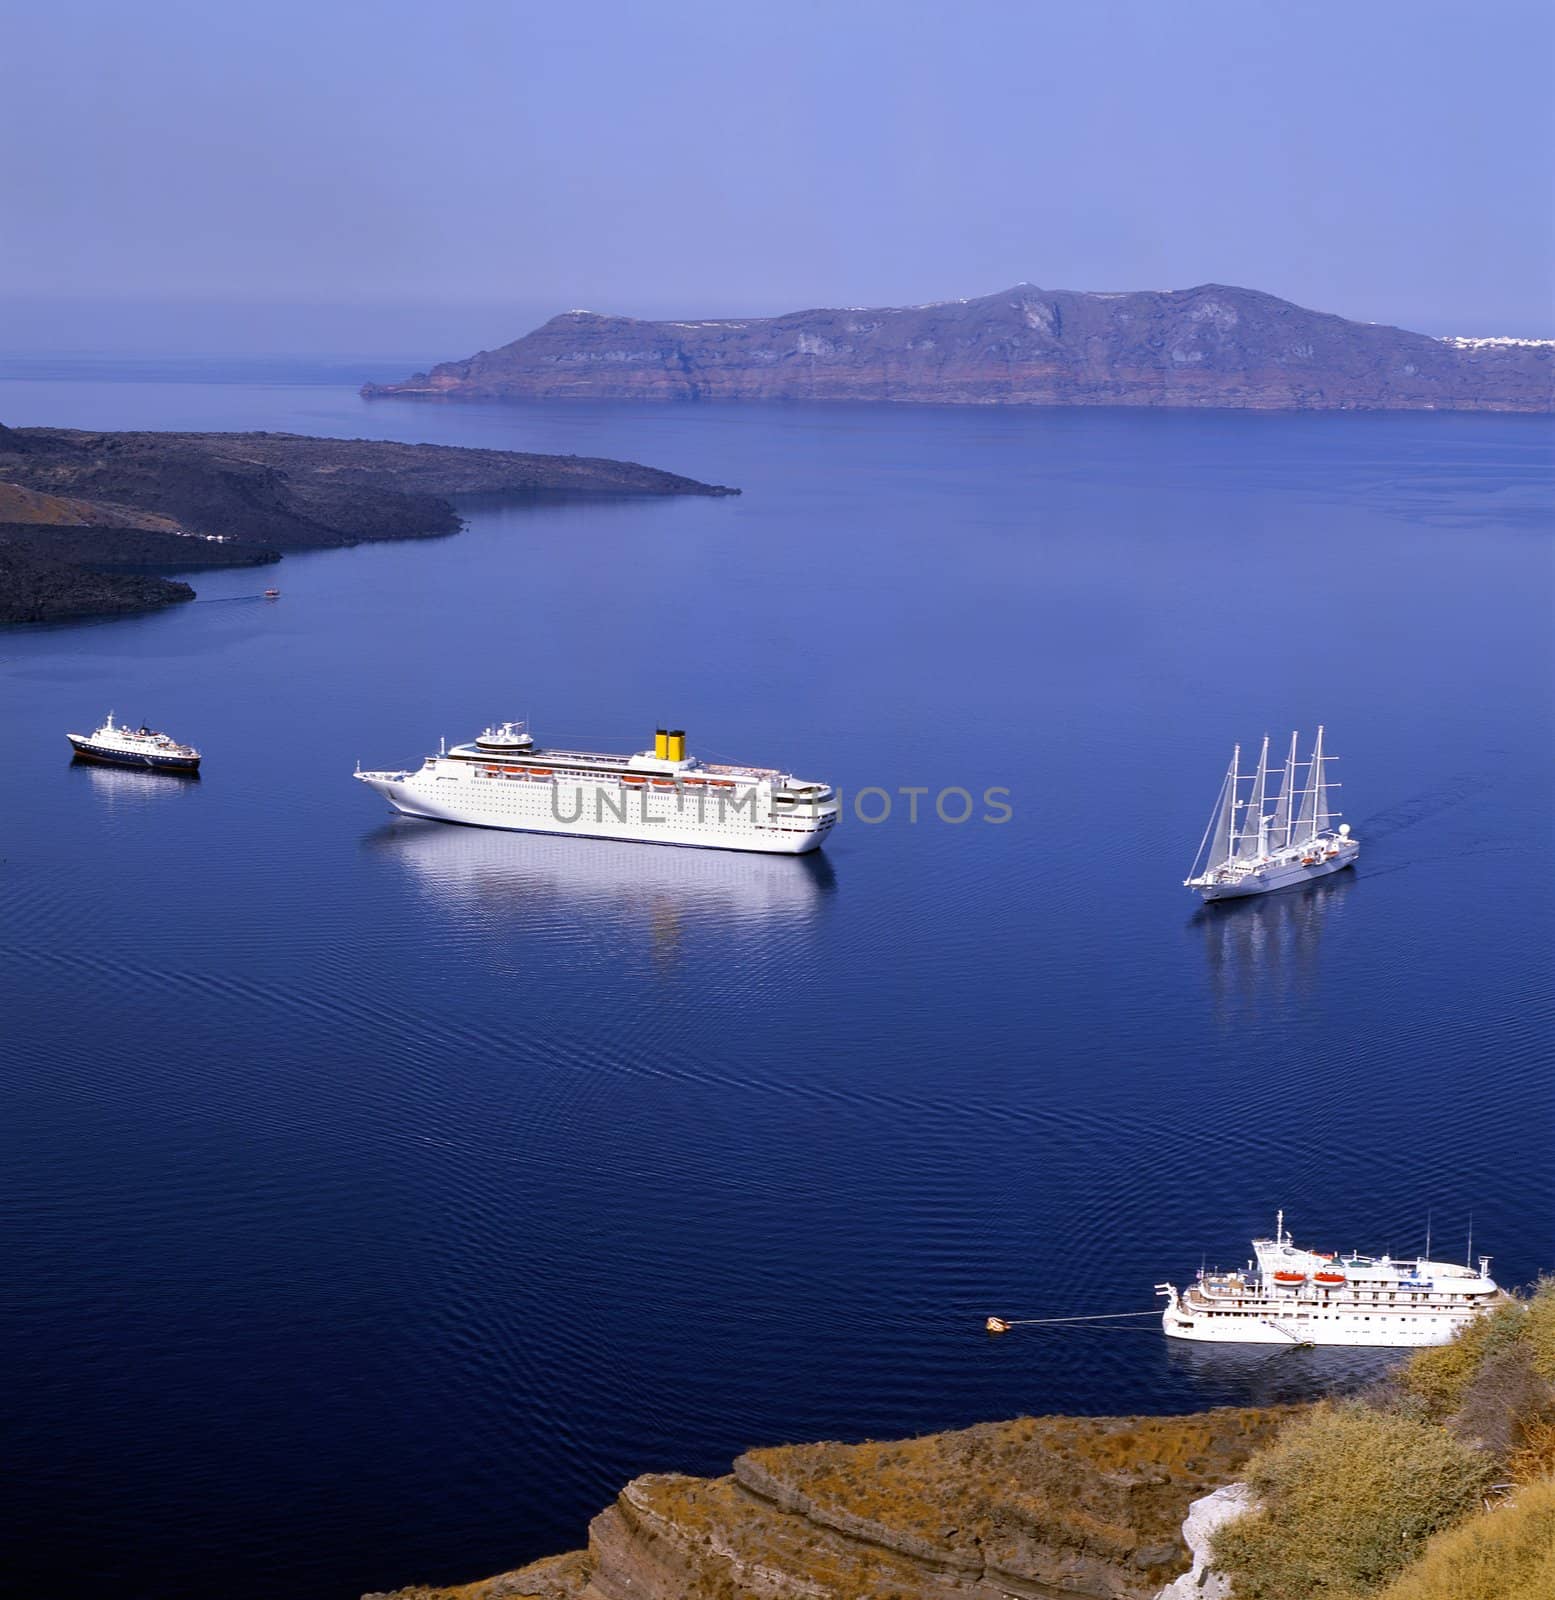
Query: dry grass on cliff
[(1504, 1554), (1112, 1489), (1353, 1493), (1514, 1346), (555, 1578)]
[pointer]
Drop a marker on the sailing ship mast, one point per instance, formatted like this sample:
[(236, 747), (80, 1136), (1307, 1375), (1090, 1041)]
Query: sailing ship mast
[(1314, 815), (1319, 785), (1306, 812), (1250, 843), (1280, 834)]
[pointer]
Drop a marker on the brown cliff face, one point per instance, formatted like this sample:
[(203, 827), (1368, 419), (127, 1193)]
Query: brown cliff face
[(1045, 1506), (1210, 346)]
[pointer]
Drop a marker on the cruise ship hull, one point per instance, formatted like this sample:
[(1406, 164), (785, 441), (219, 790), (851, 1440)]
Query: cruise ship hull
[(580, 813), (1285, 1325), (1272, 878)]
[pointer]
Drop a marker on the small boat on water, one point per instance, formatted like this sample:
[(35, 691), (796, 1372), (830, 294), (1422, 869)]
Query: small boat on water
[(272, 594), (139, 747), (1248, 849)]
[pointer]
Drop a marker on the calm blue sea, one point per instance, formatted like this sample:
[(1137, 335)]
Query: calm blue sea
[(382, 1197)]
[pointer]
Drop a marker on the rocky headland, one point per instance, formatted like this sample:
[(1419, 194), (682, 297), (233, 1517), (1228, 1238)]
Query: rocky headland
[(1039, 1506), (87, 519), (36, 589), (1212, 346), (1437, 1483)]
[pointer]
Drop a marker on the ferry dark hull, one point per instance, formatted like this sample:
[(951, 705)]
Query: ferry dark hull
[(86, 751)]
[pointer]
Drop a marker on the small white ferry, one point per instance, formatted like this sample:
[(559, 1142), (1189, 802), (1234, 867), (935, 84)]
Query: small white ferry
[(1298, 1297), (1247, 849), (135, 747), (503, 779)]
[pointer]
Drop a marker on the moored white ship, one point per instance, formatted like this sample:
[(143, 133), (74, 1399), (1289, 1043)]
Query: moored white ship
[(1247, 849), (503, 779), (135, 747), (1290, 1296)]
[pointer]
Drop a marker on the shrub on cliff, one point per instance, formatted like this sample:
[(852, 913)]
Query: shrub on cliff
[(1504, 1554), (1350, 1495), (1494, 1385), (1439, 1377)]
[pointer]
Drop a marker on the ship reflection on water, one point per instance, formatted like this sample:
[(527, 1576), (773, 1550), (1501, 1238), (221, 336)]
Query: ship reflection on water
[(525, 878), (1267, 1375), (1267, 948), (127, 786)]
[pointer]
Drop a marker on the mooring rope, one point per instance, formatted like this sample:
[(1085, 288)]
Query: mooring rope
[(1003, 1324)]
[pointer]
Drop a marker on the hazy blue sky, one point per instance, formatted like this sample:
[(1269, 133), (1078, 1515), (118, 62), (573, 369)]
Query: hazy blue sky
[(378, 175)]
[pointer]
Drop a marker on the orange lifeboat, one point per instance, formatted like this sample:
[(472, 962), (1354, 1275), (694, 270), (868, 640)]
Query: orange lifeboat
[(635, 778), (1290, 1280), (1329, 1280)]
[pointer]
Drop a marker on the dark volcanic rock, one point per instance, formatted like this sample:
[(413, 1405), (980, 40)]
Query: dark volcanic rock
[(76, 506), (132, 549), (299, 493), (1210, 346), (34, 588)]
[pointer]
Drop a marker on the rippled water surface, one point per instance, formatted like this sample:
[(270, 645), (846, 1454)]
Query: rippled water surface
[(383, 1196)]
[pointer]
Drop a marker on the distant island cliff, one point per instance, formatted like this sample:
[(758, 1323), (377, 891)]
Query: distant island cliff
[(1212, 346), (87, 519)]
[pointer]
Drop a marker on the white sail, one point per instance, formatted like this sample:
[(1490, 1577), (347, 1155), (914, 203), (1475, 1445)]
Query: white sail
[(1217, 833), (1307, 823), (1250, 839), (1220, 843), (1279, 831)]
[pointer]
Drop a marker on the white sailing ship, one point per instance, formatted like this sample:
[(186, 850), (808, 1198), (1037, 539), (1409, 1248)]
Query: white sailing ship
[(503, 779), (1291, 1296), (1249, 849)]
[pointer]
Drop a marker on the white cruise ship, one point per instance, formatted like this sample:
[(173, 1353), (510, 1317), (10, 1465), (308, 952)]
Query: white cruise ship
[(1290, 1296), (142, 747), (504, 779), (1248, 849)]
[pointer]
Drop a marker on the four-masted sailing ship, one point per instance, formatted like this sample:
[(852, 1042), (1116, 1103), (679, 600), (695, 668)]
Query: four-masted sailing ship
[(1249, 848)]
